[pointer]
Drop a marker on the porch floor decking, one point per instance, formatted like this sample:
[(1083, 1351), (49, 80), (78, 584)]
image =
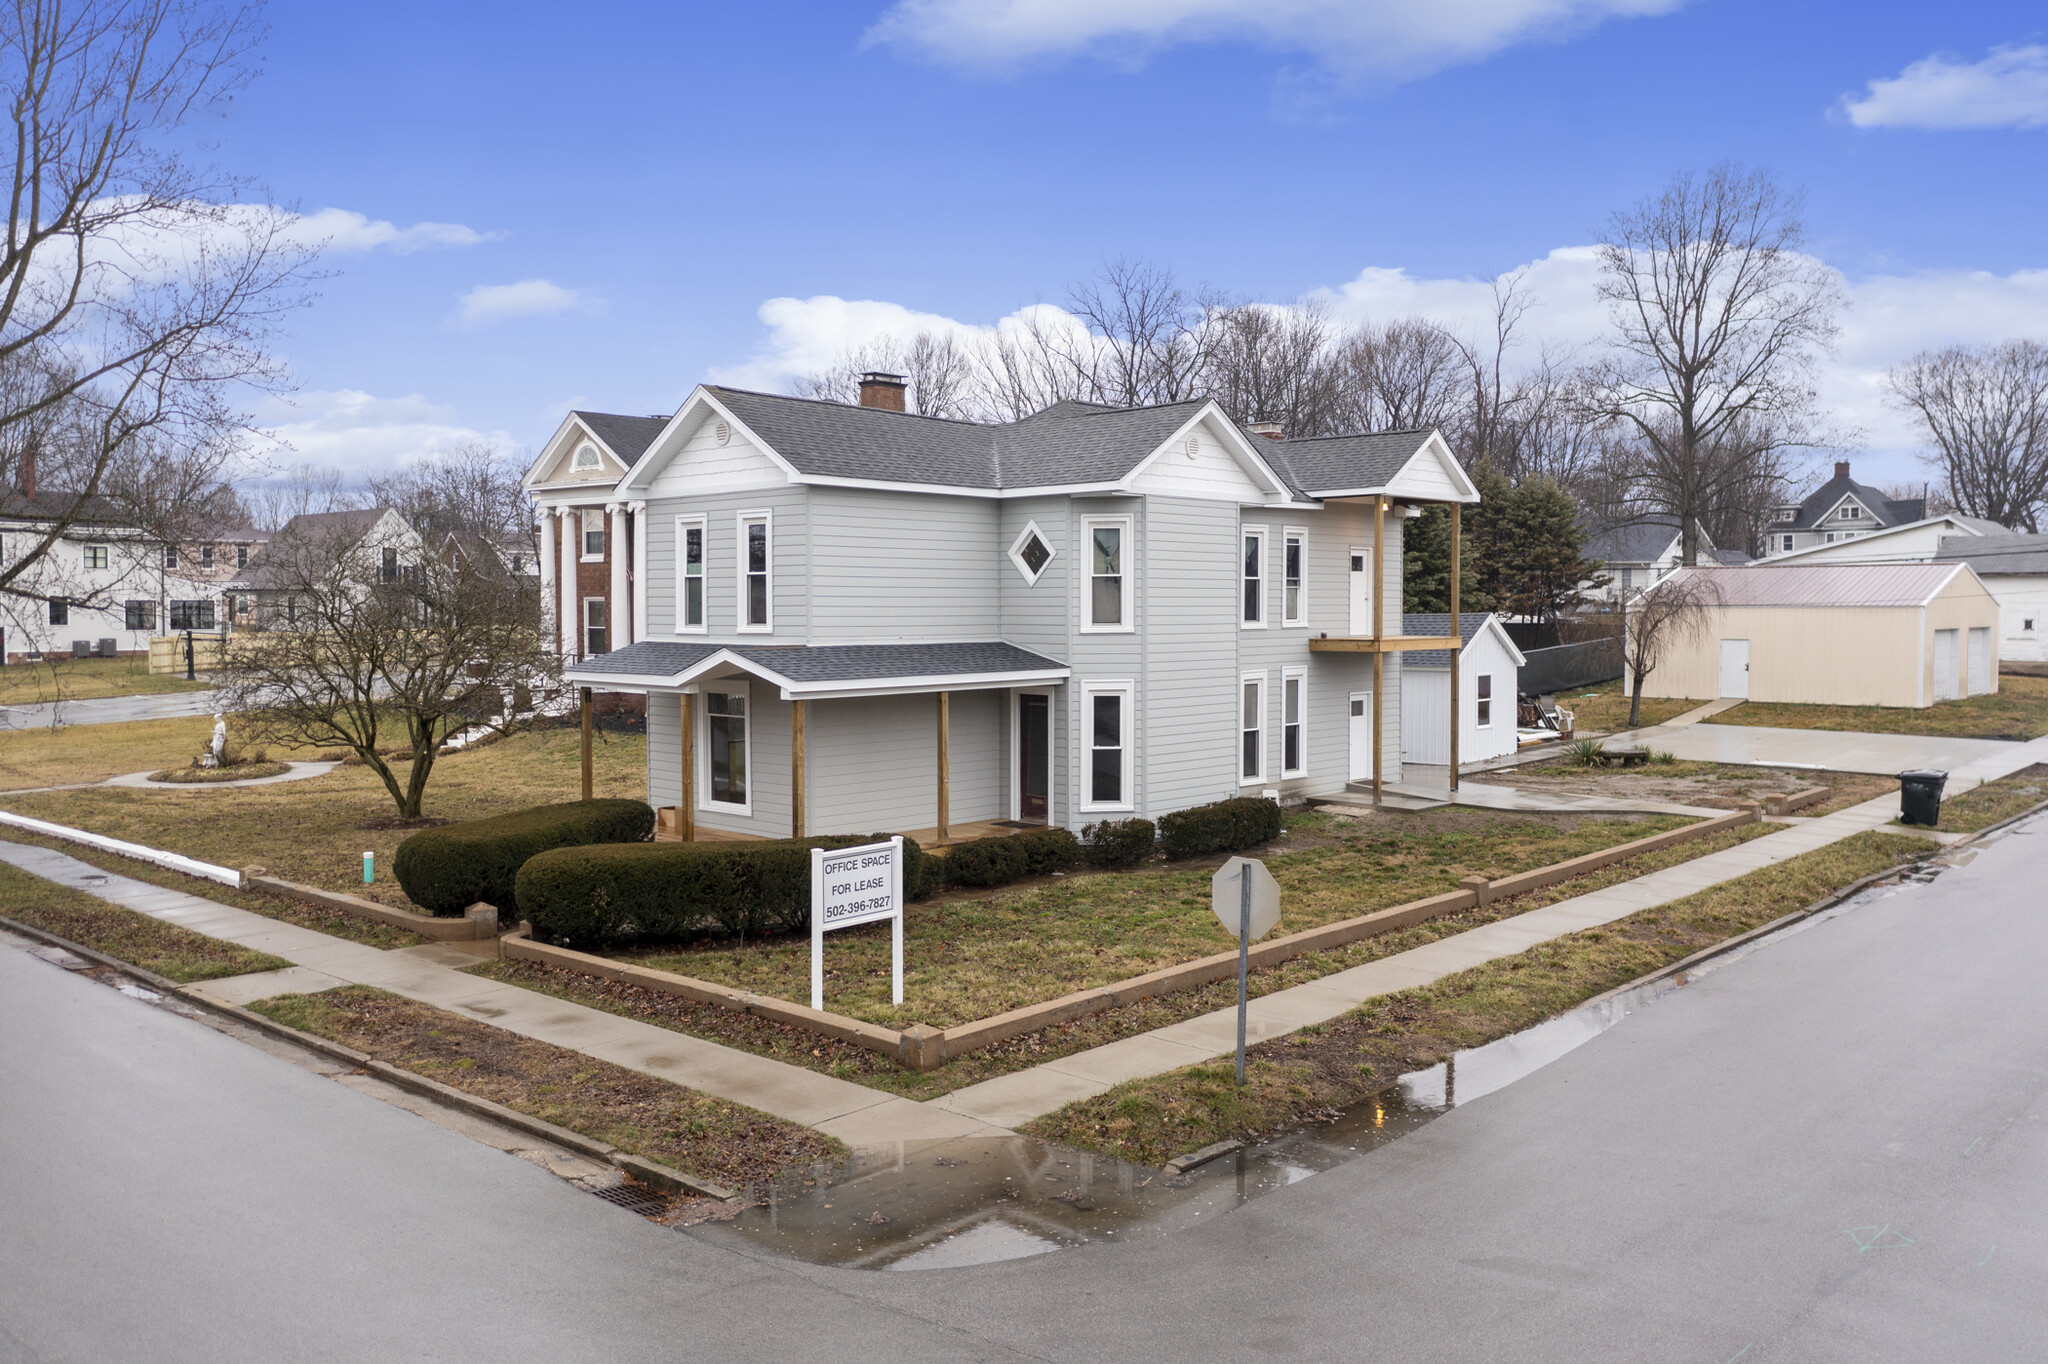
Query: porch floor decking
[(926, 838)]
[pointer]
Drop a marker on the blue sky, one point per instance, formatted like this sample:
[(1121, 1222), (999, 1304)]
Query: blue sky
[(621, 195)]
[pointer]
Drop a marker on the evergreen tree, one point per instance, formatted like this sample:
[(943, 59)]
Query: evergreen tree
[(1523, 553), (1426, 564)]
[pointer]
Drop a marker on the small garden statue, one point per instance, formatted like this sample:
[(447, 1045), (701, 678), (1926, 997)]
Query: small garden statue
[(219, 745)]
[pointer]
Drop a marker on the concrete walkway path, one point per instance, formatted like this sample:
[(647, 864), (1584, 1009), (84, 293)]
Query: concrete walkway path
[(140, 781)]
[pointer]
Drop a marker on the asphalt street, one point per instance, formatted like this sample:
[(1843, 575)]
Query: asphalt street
[(108, 710), (1834, 1148)]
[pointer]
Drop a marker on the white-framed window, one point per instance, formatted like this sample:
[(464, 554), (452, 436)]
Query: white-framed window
[(1294, 722), (1251, 571), (690, 585), (1293, 589), (1788, 513), (241, 556), (1106, 721), (2027, 625), (95, 556), (593, 534), (1108, 541), (1251, 729), (1852, 512), (206, 556), (170, 556), (596, 627), (1031, 552), (726, 752), (757, 557), (586, 457), (1831, 537), (1788, 542), (1483, 686)]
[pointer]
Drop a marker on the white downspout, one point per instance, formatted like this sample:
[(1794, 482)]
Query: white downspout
[(639, 511)]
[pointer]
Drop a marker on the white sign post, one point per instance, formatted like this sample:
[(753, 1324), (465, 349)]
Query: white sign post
[(856, 886), (1247, 899)]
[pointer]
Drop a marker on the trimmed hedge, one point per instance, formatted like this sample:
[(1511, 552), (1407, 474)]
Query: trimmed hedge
[(988, 862), (446, 870), (1227, 826), (1048, 850), (1118, 843), (594, 897)]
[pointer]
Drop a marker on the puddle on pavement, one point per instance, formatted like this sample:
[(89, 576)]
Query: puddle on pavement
[(939, 1205)]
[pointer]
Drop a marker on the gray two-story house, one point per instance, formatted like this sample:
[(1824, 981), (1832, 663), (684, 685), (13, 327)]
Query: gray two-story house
[(858, 619)]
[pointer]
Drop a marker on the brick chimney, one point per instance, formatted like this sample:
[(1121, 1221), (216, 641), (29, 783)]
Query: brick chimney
[(1270, 430), (883, 390), (25, 472), (1841, 468)]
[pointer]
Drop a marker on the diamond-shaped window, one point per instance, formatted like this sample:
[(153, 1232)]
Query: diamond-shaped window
[(1031, 553), (1035, 554)]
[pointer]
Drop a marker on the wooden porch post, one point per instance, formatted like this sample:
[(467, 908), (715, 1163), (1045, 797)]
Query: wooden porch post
[(586, 744), (686, 808), (796, 769), (1457, 702), (1379, 617), (945, 764)]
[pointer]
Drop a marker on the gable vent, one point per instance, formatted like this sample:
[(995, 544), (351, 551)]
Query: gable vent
[(1194, 446), (722, 433)]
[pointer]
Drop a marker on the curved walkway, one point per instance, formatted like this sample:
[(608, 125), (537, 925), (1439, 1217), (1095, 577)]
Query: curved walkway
[(140, 781)]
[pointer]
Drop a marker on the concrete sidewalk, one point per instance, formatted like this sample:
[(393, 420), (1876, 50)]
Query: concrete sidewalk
[(1832, 750)]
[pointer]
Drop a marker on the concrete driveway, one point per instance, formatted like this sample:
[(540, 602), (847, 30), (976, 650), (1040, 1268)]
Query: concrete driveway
[(1835, 751)]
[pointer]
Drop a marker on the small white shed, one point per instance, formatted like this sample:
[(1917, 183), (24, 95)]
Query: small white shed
[(1487, 667)]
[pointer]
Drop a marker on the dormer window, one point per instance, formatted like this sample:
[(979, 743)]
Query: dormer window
[(586, 458), (1788, 513), (1852, 512)]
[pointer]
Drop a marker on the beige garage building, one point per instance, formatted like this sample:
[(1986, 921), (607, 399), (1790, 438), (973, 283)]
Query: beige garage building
[(1837, 634)]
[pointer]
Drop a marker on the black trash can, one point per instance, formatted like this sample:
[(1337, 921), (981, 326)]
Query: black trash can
[(1920, 797)]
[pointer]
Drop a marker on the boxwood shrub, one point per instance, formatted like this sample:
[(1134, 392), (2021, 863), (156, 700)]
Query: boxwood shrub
[(591, 898), (1227, 826), (446, 870), (1048, 850), (1117, 843), (985, 862)]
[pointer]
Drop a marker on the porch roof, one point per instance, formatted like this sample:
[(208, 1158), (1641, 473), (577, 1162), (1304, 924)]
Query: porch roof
[(811, 672)]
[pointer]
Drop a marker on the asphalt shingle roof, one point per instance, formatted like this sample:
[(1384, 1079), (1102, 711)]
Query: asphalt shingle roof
[(1992, 555), (1882, 509), (1319, 465), (1470, 623), (628, 437), (826, 662)]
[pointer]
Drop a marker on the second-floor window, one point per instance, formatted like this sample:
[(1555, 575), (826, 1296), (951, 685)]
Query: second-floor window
[(690, 573), (756, 559), (1109, 578), (1253, 568), (241, 556), (593, 535), (170, 556), (1292, 608), (95, 556), (390, 566), (206, 556)]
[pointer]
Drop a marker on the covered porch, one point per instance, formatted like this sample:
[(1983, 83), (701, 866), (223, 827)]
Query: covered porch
[(941, 742)]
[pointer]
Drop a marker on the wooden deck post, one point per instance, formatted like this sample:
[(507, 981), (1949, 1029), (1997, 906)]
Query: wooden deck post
[(587, 720), (1379, 617), (945, 764), (796, 769), (686, 807), (1457, 586)]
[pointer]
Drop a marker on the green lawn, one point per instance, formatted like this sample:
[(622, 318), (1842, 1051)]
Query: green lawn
[(1985, 805), (2019, 710), (175, 953), (83, 679)]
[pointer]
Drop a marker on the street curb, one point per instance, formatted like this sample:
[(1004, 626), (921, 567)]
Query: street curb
[(662, 1177)]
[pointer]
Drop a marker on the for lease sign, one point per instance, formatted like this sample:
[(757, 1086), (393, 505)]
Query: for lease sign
[(860, 884)]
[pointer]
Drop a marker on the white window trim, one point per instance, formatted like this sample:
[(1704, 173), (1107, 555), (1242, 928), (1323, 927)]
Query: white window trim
[(1489, 701), (1265, 726), (1088, 692), (584, 633), (1294, 675), (583, 515), (1087, 576), (702, 712), (1017, 556), (684, 525), (741, 522), (1257, 533), (576, 464), (1296, 535)]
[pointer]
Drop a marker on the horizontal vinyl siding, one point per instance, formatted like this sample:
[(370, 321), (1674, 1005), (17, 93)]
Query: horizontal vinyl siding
[(888, 565), (789, 548), (873, 763), (1035, 616), (1189, 686)]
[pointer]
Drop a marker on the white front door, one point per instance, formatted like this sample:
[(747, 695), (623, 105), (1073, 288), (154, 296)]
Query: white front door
[(1980, 660), (1361, 592), (1361, 736), (1735, 669), (1945, 663)]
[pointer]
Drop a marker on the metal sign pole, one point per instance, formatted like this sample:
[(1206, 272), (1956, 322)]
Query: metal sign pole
[(896, 924), (818, 929), (1244, 952)]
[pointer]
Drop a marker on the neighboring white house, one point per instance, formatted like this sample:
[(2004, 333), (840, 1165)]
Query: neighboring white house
[(1638, 554), (870, 619), (1838, 512), (1909, 542), (1487, 667), (374, 544), (2015, 569), (100, 585)]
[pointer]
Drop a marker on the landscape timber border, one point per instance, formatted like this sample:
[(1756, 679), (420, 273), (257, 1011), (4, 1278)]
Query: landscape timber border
[(479, 923), (926, 1048)]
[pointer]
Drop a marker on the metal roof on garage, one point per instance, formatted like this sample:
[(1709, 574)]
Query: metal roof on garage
[(1825, 585)]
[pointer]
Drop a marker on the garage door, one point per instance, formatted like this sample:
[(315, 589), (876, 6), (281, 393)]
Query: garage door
[(1945, 663)]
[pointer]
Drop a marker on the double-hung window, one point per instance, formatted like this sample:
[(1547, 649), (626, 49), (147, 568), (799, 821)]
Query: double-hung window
[(1251, 724), (1293, 732), (1484, 683), (689, 573), (241, 556), (170, 556), (593, 534), (60, 611), (390, 566), (596, 623), (756, 556), (141, 615), (95, 556), (1106, 717), (1252, 607), (1109, 573), (206, 556), (725, 724), (1293, 601)]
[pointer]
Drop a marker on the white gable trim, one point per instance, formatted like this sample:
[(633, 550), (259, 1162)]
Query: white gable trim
[(1435, 448), (572, 431), (663, 449), (1870, 513), (1955, 526), (1233, 441)]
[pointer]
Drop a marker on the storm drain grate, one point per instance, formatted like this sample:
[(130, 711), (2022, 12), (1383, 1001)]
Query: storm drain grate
[(634, 1199)]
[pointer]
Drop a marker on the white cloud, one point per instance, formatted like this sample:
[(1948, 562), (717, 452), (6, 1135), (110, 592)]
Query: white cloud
[(1349, 38), (360, 433), (2008, 89), (527, 298), (342, 229)]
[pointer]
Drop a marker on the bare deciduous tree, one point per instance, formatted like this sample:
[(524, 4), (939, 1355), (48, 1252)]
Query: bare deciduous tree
[(1718, 319), (471, 489), (1675, 612), (1985, 412), (939, 369), (301, 489)]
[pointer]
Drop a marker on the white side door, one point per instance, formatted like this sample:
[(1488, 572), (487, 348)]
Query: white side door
[(1735, 669), (1945, 662), (1361, 592), (1361, 736), (1980, 660)]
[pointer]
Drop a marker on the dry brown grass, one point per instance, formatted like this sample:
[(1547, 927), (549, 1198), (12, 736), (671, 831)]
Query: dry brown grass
[(2019, 710), (1985, 805), (84, 679), (175, 953), (1603, 709)]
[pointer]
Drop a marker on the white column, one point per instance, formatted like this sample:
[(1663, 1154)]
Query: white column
[(618, 605), (639, 511), (548, 629), (572, 549)]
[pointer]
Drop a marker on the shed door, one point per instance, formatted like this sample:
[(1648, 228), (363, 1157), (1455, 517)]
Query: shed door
[(1945, 680), (1426, 715), (1980, 660), (1735, 669), (1361, 736)]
